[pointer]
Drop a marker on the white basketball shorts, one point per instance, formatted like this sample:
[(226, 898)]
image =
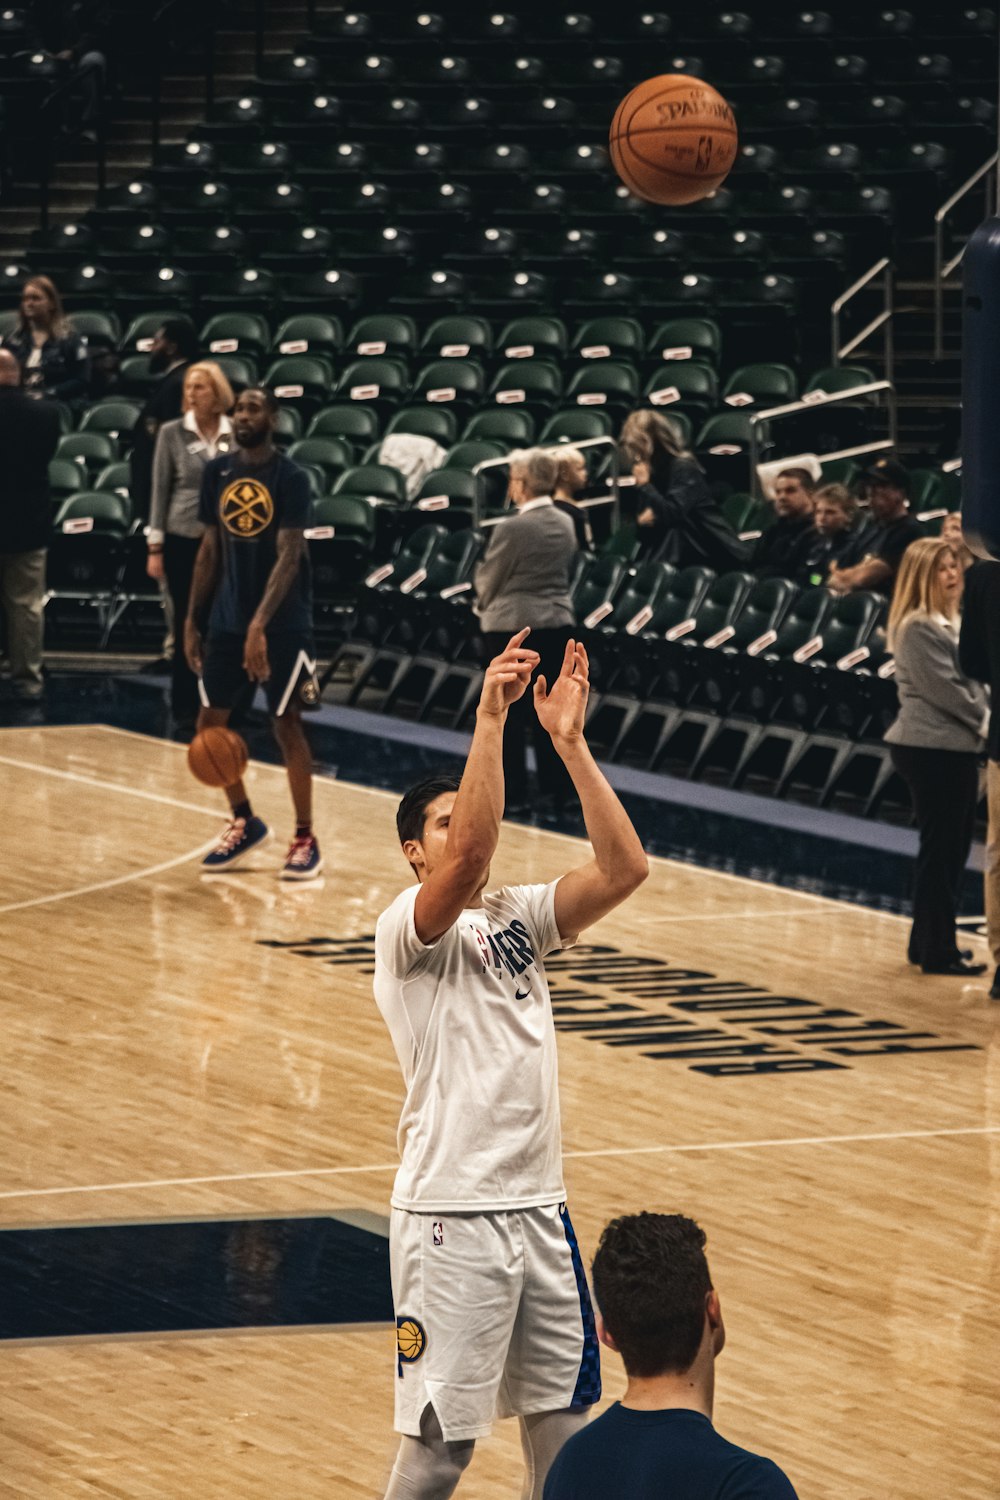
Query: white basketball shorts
[(493, 1318)]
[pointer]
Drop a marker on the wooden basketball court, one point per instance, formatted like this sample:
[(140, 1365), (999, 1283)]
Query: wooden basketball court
[(187, 1049)]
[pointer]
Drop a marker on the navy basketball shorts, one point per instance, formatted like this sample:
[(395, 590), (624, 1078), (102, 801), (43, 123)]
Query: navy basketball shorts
[(291, 658), (493, 1318)]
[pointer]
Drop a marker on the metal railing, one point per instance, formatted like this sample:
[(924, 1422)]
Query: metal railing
[(775, 413), (162, 34), (884, 319), (942, 268), (50, 119), (613, 499)]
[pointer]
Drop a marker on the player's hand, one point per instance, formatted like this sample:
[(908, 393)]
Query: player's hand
[(508, 675), (192, 646), (154, 565), (255, 662), (641, 471), (646, 517), (561, 712)]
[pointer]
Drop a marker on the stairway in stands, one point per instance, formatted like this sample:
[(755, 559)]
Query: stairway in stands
[(129, 132)]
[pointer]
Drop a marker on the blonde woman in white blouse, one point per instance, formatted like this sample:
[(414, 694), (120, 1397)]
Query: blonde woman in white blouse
[(936, 741), (183, 448)]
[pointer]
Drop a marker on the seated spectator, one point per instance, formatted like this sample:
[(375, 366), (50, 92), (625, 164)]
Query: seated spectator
[(779, 550), (658, 1309), (952, 533), (571, 481), (834, 512), (52, 357), (872, 561), (678, 517)]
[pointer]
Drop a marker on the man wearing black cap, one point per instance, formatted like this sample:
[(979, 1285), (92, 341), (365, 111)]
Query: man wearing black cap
[(873, 561)]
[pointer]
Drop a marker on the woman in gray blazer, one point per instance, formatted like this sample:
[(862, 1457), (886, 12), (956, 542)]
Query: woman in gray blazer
[(183, 448), (936, 740), (525, 576)]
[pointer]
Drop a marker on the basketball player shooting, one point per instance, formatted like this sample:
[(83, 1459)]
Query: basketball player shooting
[(251, 582), (493, 1315)]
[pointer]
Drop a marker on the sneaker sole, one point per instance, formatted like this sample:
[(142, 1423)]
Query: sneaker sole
[(301, 875), (237, 859)]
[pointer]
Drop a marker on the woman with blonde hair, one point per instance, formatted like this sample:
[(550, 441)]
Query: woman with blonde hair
[(571, 481), (935, 741), (183, 448), (678, 517), (53, 358)]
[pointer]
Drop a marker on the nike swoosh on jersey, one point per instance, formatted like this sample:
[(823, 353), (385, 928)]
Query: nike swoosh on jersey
[(519, 996)]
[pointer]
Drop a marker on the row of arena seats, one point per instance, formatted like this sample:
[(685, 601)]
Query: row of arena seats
[(449, 208), (871, 115), (886, 33), (567, 248), (727, 676)]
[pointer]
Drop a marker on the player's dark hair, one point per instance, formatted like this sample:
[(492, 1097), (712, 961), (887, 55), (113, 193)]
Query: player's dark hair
[(270, 399), (650, 1281), (807, 480), (412, 810), (181, 332)]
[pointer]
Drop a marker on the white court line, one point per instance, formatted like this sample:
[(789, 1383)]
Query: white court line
[(104, 885), (109, 786), (836, 910), (802, 1140), (128, 791)]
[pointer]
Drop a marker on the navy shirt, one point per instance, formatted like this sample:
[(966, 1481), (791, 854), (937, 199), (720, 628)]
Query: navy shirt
[(249, 505), (660, 1455)]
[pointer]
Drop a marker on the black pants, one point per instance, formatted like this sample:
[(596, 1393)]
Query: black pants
[(944, 785), (179, 553), (553, 779)]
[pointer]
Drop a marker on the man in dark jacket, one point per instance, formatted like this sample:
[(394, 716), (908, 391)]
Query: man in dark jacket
[(780, 550), (174, 348), (29, 432), (979, 657)]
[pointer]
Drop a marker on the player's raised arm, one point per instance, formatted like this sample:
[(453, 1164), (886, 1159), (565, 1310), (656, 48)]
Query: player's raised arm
[(619, 865), (469, 828)]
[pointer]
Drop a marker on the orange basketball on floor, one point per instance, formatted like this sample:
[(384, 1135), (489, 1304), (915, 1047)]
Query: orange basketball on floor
[(673, 139), (218, 756)]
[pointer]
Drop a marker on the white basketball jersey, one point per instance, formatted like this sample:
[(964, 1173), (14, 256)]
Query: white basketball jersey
[(471, 1021)]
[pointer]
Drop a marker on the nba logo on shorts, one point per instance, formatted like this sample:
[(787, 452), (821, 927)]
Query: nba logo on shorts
[(437, 1232)]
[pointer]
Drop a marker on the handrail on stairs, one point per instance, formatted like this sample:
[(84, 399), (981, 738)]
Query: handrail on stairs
[(943, 269), (840, 350)]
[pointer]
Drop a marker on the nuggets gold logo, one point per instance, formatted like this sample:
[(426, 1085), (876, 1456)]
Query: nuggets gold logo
[(246, 508), (411, 1341)]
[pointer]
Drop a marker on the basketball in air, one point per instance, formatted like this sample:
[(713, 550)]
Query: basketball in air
[(673, 140), (218, 756)]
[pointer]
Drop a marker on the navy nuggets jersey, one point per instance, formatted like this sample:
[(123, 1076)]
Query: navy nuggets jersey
[(471, 1021), (249, 506)]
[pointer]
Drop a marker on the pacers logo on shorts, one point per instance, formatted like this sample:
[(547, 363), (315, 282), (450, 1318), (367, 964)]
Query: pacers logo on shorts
[(246, 508), (411, 1341)]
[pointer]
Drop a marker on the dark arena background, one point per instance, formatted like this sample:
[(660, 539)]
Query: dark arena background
[(407, 225)]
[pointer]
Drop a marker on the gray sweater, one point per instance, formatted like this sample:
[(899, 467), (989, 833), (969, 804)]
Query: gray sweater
[(179, 461), (524, 577), (939, 707)]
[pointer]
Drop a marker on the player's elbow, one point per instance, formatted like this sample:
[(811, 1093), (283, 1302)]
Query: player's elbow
[(471, 857), (635, 871)]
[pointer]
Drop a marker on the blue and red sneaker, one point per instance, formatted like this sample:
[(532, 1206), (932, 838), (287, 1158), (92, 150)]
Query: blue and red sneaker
[(241, 837), (304, 860)]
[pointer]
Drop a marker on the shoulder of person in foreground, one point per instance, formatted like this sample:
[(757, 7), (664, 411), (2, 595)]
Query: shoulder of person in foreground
[(398, 949), (756, 1478)]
